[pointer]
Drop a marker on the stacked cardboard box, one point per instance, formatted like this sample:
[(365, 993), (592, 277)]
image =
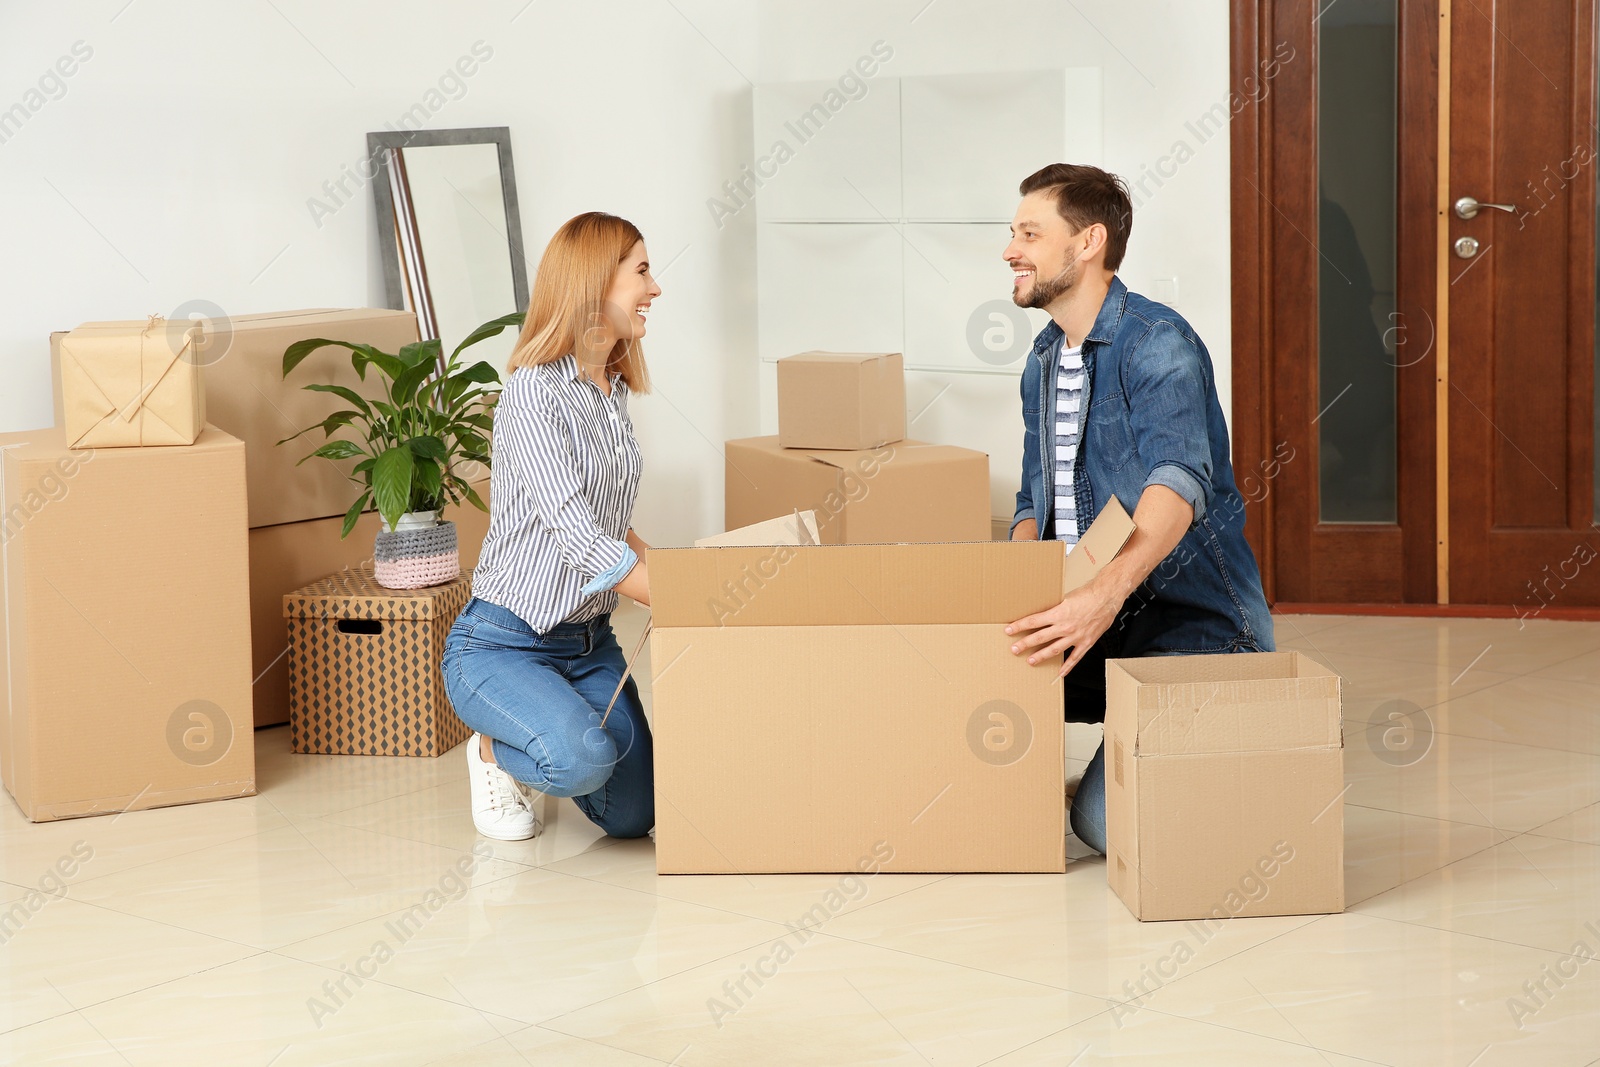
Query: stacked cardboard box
[(295, 510), (841, 452), (124, 635)]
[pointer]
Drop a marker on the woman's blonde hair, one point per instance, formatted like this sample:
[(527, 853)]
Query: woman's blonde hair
[(569, 297)]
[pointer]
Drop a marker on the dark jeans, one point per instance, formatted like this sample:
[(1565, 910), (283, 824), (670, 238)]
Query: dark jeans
[(540, 697), (1084, 696)]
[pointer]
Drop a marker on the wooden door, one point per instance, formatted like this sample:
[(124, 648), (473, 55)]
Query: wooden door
[(1522, 305), (1454, 462), (1334, 245)]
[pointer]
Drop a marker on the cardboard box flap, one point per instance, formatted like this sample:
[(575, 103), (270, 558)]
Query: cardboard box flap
[(1098, 545), (353, 593), (854, 585), (907, 453), (1250, 702), (798, 528), (835, 357)]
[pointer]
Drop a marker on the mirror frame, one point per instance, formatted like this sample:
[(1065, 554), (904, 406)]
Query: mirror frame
[(378, 145)]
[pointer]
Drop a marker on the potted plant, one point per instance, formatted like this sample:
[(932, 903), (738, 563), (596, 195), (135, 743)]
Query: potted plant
[(434, 417)]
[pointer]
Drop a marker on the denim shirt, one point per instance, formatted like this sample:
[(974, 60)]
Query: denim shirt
[(1151, 417)]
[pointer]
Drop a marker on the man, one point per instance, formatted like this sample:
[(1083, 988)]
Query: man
[(1118, 399)]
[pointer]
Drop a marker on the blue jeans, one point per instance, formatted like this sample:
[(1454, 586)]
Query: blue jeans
[(541, 697), (1084, 693)]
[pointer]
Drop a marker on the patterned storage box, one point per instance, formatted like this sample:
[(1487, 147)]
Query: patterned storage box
[(364, 676)]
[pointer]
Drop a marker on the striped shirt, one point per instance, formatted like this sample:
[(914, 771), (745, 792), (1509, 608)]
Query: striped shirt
[(1069, 402), (562, 488)]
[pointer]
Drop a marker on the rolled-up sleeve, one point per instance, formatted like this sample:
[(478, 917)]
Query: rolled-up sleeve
[(532, 442), (1167, 390)]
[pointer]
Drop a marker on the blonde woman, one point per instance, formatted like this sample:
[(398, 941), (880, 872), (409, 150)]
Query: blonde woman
[(531, 662)]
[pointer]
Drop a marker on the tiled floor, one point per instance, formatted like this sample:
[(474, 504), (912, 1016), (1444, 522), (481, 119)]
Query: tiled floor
[(265, 931)]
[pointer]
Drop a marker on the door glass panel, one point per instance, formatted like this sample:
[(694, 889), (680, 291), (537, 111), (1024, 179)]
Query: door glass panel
[(1357, 323)]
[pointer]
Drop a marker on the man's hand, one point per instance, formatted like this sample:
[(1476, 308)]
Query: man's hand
[(1160, 521), (1076, 623)]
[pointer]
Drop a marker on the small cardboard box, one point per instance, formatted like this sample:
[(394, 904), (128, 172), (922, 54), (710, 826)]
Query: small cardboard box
[(1224, 786), (816, 707), (364, 666), (126, 384), (849, 400), (286, 557), (124, 625), (909, 491), (240, 365)]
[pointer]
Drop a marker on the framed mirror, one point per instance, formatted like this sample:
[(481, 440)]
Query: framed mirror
[(450, 232)]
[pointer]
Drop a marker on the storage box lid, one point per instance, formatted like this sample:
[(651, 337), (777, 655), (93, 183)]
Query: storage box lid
[(1233, 702), (354, 593)]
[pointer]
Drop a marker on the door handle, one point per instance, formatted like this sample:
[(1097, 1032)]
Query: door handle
[(1469, 206)]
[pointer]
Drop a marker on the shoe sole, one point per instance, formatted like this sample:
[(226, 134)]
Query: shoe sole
[(537, 830)]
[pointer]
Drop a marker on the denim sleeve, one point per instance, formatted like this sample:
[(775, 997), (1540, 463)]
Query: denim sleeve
[(1168, 386), (1030, 456), (532, 445)]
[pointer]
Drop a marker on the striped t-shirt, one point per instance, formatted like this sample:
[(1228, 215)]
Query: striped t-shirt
[(562, 488), (1069, 403)]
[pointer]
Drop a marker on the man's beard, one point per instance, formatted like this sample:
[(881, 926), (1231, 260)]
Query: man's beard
[(1044, 293)]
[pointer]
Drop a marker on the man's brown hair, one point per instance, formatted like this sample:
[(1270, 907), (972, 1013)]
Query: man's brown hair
[(1084, 196)]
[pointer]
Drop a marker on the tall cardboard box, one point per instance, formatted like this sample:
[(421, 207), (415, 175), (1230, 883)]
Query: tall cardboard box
[(283, 558), (103, 710), (1224, 786), (905, 491), (849, 400), (241, 366)]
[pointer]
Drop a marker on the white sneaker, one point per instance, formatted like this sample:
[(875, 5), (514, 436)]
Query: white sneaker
[(500, 809)]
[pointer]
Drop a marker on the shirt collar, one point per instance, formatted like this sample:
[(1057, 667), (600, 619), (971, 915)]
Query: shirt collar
[(567, 367), (1105, 326)]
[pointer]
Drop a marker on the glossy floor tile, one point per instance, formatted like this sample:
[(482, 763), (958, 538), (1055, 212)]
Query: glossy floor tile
[(351, 914)]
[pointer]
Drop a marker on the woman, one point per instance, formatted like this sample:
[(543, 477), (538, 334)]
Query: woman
[(531, 663)]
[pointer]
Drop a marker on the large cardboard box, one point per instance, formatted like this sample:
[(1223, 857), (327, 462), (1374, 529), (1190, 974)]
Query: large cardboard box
[(850, 400), (1224, 786), (283, 558), (820, 707), (241, 366), (906, 491), (104, 711), (365, 673), (126, 384), (851, 703)]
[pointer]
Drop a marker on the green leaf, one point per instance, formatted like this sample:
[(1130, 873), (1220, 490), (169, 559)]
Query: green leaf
[(421, 352), (391, 482), (472, 495), (429, 448), (364, 466), (353, 516), (405, 386), (339, 450), (478, 372), (390, 365), (295, 353), (344, 392), (489, 329), (431, 482)]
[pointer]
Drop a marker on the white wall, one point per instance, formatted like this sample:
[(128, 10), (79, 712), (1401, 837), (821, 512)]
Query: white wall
[(1163, 65), (176, 163)]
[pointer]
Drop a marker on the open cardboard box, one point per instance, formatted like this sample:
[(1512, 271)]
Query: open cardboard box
[(820, 706)]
